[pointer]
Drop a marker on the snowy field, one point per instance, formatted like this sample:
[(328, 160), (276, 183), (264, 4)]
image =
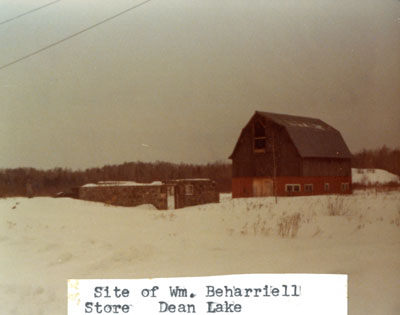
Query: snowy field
[(44, 241)]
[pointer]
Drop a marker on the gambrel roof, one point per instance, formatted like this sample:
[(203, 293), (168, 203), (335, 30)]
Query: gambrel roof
[(312, 137)]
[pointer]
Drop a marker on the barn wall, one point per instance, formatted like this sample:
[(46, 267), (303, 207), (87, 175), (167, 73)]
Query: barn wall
[(326, 167), (318, 185), (289, 160), (129, 196), (247, 163), (243, 187), (242, 161)]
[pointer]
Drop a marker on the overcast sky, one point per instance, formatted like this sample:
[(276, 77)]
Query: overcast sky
[(176, 80)]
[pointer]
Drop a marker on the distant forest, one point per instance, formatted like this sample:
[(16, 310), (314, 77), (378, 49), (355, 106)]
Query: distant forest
[(13, 182), (383, 158)]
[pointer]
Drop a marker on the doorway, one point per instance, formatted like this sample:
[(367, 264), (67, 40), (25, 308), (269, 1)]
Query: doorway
[(263, 187)]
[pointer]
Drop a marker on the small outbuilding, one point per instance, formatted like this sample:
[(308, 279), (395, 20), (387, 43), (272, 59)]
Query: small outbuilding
[(283, 155)]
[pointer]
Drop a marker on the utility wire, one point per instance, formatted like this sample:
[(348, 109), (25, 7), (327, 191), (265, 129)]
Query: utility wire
[(73, 35), (29, 12)]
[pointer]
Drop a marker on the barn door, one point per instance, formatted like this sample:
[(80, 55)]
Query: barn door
[(262, 187)]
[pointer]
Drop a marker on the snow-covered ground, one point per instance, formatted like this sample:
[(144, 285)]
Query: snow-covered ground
[(367, 176), (45, 241)]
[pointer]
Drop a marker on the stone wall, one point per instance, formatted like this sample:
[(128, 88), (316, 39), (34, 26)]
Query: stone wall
[(191, 192), (129, 196)]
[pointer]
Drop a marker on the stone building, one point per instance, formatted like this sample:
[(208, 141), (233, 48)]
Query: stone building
[(183, 193), (192, 192), (128, 194)]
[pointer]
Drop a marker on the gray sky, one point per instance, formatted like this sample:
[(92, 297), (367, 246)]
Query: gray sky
[(176, 80)]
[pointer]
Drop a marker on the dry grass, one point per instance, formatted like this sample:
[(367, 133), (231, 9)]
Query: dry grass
[(166, 215), (396, 220), (336, 206), (289, 225), (390, 186), (260, 226)]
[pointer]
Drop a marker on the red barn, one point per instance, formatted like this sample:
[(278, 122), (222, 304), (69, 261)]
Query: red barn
[(285, 155)]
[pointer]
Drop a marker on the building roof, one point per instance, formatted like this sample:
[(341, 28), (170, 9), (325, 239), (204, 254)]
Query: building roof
[(121, 183), (312, 137)]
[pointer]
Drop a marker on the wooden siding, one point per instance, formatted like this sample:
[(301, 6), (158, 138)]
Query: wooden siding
[(326, 167), (288, 159), (318, 183), (247, 163), (242, 161), (242, 187)]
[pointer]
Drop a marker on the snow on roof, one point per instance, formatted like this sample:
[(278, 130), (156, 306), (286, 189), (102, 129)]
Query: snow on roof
[(122, 183), (303, 124), (373, 176), (312, 137), (191, 179)]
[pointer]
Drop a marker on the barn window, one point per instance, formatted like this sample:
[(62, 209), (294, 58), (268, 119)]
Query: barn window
[(189, 189), (326, 187), (345, 186), (260, 140), (308, 187), (292, 188)]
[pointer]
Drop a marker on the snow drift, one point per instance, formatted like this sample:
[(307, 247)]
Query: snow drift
[(45, 241), (371, 176)]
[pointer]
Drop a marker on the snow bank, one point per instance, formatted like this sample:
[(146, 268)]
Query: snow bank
[(368, 176), (45, 241)]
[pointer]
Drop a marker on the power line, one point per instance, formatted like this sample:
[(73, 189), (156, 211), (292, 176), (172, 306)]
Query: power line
[(29, 12), (73, 35)]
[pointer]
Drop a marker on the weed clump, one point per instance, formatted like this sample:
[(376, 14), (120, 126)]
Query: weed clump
[(289, 225), (336, 206), (396, 220)]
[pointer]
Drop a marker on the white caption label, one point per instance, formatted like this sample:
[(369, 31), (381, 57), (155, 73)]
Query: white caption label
[(251, 294)]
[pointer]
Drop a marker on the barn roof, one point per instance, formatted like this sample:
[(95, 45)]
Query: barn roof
[(312, 137)]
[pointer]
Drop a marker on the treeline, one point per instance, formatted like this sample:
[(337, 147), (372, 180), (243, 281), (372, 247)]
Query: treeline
[(18, 181), (15, 182), (383, 158)]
